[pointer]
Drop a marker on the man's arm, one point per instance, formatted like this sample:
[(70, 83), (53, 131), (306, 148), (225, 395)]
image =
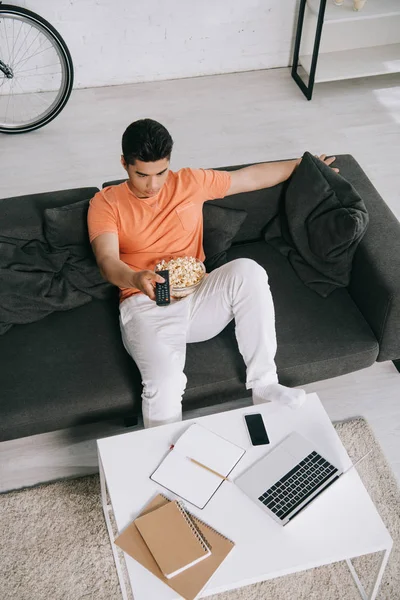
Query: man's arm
[(258, 177), (106, 250)]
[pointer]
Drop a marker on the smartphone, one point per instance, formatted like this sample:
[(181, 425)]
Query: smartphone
[(256, 428)]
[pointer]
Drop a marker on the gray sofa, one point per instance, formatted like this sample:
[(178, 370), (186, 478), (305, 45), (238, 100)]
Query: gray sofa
[(70, 367)]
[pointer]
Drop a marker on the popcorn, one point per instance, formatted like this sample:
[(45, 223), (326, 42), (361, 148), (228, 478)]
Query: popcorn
[(183, 271)]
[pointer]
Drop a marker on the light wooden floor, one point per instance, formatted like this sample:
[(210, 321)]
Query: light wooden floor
[(215, 121)]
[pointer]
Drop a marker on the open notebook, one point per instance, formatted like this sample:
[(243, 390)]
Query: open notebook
[(188, 480)]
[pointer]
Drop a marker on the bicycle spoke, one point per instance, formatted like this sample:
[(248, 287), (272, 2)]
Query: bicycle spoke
[(22, 43), (28, 48), (30, 99), (3, 84), (13, 106), (6, 36), (32, 55), (22, 101), (35, 74), (36, 68), (16, 40), (33, 94), (9, 96), (25, 100), (44, 38)]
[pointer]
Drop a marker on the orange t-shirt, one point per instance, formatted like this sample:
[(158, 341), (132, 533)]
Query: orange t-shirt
[(167, 225)]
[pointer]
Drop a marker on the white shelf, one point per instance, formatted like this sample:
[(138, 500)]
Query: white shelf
[(373, 9), (350, 64)]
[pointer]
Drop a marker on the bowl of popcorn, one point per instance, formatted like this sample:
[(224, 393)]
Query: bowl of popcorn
[(185, 274)]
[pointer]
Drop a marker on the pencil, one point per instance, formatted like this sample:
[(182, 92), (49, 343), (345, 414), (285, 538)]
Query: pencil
[(208, 468)]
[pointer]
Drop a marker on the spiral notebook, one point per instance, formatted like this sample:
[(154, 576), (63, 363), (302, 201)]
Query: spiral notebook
[(189, 582), (173, 539)]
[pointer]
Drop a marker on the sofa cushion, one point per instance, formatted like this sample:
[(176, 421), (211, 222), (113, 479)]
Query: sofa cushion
[(320, 224), (220, 227), (261, 207), (67, 369), (67, 225), (22, 217)]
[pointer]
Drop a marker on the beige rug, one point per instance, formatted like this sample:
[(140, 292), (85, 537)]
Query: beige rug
[(54, 543)]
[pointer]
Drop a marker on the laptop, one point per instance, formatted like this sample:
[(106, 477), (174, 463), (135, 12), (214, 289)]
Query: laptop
[(288, 478)]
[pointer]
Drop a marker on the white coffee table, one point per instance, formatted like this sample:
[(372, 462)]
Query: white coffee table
[(341, 524)]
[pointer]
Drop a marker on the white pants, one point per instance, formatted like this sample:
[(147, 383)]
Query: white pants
[(156, 336)]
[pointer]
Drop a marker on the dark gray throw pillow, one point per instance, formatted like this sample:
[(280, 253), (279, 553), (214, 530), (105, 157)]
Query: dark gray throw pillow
[(67, 225), (321, 221), (220, 225)]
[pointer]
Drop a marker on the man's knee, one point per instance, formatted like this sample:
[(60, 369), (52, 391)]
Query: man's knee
[(168, 387), (248, 269), (162, 399)]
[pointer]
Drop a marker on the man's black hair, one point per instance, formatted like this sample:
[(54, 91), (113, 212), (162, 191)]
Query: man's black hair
[(146, 140)]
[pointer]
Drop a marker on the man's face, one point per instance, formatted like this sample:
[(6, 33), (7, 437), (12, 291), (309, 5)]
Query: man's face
[(146, 178)]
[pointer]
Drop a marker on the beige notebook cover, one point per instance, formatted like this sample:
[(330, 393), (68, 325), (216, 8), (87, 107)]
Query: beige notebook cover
[(191, 581), (172, 538)]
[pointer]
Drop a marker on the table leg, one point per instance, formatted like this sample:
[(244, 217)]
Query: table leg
[(106, 510), (364, 596)]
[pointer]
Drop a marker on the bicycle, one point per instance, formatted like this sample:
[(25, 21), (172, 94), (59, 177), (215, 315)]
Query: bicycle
[(36, 70)]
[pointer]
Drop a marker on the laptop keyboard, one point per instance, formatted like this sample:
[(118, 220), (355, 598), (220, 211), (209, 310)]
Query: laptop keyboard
[(297, 485)]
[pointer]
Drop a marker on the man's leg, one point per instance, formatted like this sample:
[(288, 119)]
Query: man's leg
[(240, 290), (155, 337)]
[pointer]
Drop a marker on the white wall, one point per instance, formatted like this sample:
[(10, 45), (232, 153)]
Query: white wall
[(127, 41)]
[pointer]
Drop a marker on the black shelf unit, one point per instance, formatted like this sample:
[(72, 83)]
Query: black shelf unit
[(307, 89)]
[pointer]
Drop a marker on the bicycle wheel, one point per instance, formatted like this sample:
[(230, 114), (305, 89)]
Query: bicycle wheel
[(36, 72)]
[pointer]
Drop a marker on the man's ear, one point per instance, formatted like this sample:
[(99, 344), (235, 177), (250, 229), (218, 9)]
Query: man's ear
[(123, 163)]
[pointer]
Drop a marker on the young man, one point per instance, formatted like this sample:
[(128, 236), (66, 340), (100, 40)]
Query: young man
[(156, 214)]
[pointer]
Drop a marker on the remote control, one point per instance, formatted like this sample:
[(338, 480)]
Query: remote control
[(162, 289)]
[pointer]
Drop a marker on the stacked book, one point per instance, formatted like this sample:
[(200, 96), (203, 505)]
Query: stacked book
[(175, 546)]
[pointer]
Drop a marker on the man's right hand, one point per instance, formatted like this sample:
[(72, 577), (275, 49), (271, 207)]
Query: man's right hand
[(145, 281)]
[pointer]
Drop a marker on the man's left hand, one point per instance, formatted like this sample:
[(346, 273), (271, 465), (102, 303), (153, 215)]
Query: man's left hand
[(328, 161)]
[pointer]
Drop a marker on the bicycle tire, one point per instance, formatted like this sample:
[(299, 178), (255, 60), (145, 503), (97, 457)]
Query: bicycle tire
[(65, 58)]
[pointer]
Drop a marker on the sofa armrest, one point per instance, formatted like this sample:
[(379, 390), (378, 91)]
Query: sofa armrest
[(375, 277)]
